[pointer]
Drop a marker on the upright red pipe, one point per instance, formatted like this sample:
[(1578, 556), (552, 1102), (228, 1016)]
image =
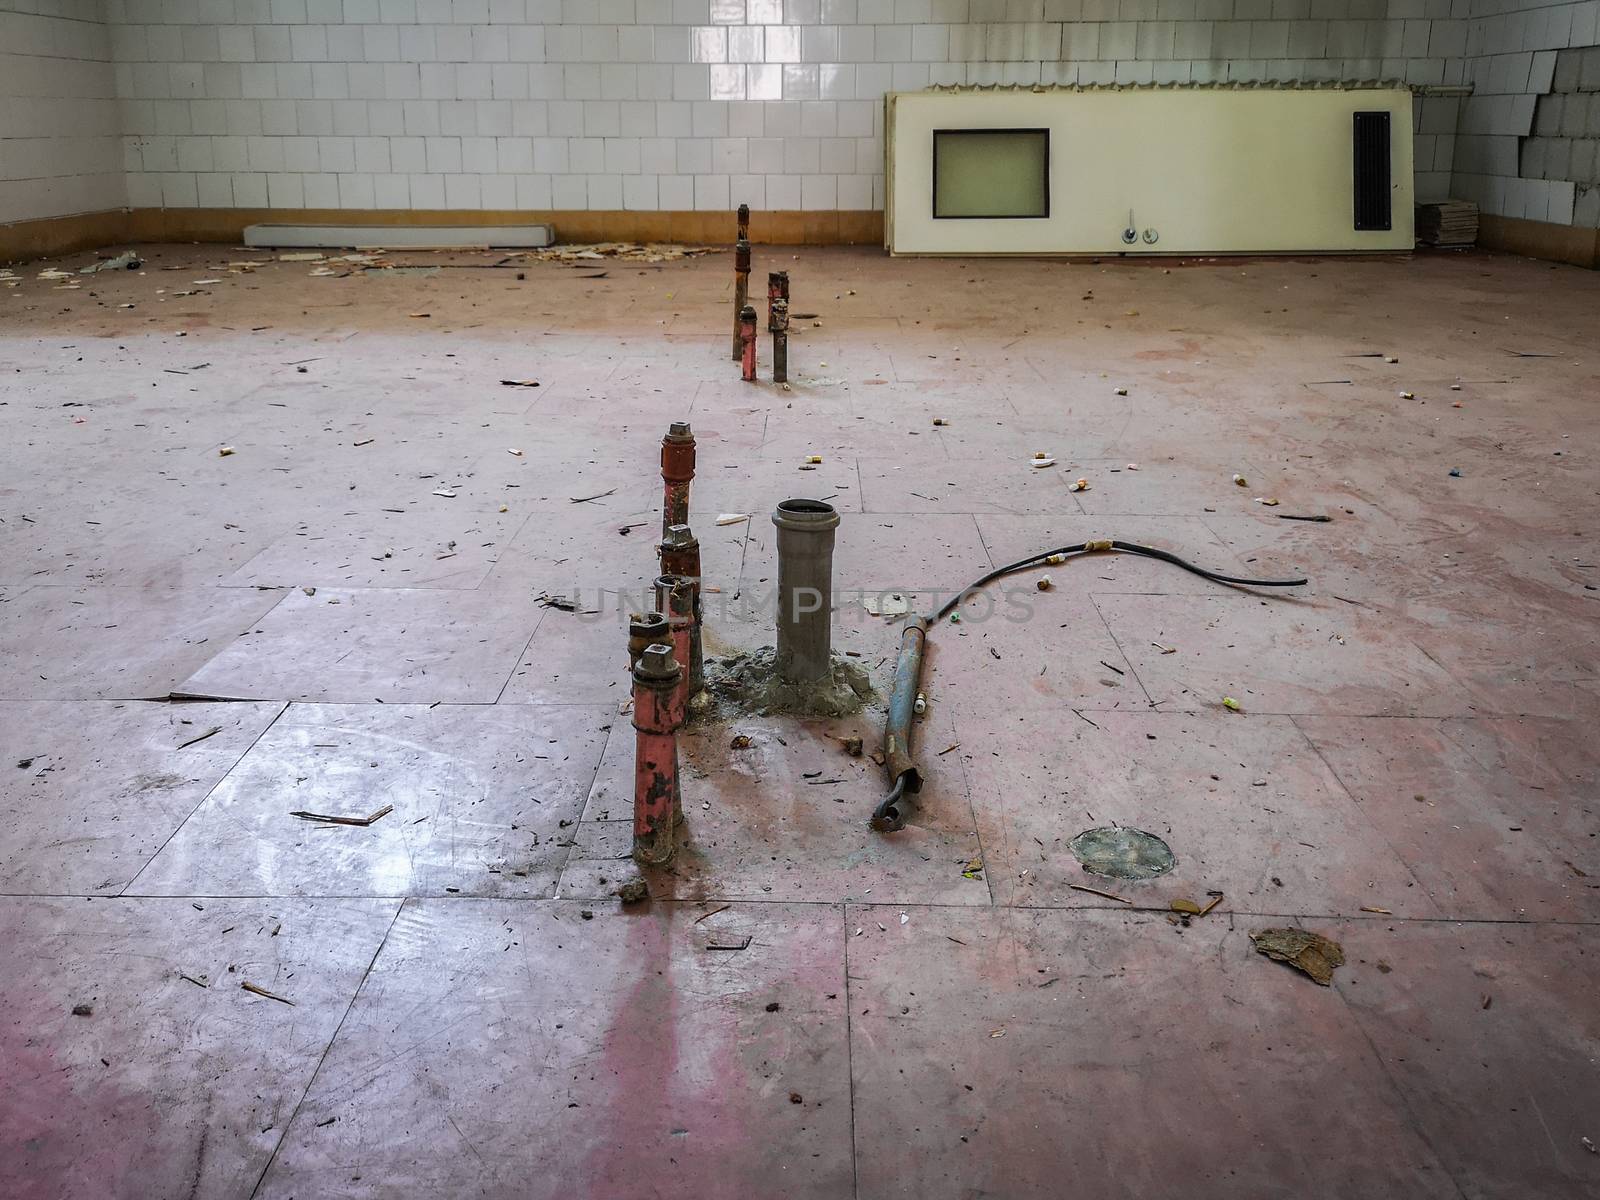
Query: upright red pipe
[(675, 598), (741, 290), (747, 343), (657, 716), (677, 473), (680, 555), (777, 289)]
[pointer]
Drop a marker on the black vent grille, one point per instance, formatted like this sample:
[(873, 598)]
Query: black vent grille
[(1372, 198)]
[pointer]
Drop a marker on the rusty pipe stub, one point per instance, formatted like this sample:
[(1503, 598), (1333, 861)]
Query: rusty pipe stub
[(657, 716), (680, 555), (677, 473), (677, 453), (777, 289), (675, 596), (805, 588), (680, 552), (645, 629), (747, 344), (741, 293), (779, 322), (744, 221)]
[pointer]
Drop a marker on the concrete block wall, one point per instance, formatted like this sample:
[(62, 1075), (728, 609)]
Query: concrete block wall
[(1527, 64), (669, 104), (60, 145)]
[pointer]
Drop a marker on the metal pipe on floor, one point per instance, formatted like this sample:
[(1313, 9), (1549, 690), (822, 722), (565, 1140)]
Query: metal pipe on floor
[(657, 717), (677, 473), (680, 556), (645, 629), (744, 222), (805, 588), (780, 341), (747, 344), (904, 777), (741, 292)]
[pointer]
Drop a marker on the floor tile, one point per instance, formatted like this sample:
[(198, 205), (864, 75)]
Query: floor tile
[(1489, 826), (445, 547), (354, 645), (659, 1064), (998, 1053), (1276, 656), (1490, 1033), (167, 1087), (92, 789), (95, 643), (481, 798), (1246, 805)]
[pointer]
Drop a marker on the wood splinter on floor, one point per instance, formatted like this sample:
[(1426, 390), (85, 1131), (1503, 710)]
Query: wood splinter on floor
[(1081, 887), (328, 819), (257, 990)]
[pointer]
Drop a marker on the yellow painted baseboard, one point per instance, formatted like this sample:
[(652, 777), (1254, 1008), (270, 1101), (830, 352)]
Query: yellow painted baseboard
[(61, 235), (1540, 239), (23, 240)]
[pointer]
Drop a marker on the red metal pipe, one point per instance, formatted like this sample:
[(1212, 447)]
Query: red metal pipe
[(777, 289), (677, 473), (780, 341), (645, 629), (675, 598), (747, 341), (657, 717), (741, 292), (680, 555)]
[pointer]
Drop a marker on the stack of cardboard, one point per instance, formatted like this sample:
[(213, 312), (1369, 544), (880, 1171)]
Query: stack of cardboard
[(1450, 224)]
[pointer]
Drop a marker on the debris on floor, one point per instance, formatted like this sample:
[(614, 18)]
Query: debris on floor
[(650, 252), (1303, 950), (257, 990), (1121, 852), (126, 261), (327, 819), (635, 891), (888, 604)]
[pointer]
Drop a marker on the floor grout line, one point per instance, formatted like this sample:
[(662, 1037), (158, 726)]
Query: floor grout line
[(850, 1053), (221, 779), (327, 1049)]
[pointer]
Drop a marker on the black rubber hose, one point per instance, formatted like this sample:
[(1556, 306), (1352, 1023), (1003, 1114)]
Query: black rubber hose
[(890, 813), (1023, 564)]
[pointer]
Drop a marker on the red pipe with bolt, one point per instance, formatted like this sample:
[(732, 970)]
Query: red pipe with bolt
[(677, 473), (747, 343), (675, 598), (645, 629), (657, 717), (680, 556)]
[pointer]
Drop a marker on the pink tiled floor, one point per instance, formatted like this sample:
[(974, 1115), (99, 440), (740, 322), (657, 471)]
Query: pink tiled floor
[(805, 1008)]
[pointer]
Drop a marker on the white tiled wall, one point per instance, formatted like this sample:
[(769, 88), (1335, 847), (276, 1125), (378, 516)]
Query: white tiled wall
[(676, 104), (664, 104), (59, 145), (1513, 44)]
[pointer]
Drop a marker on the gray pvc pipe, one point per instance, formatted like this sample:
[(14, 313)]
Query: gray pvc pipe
[(805, 588)]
